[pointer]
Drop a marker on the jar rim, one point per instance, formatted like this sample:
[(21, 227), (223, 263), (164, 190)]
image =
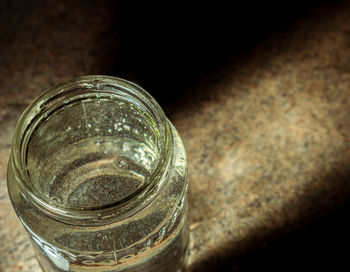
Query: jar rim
[(99, 215)]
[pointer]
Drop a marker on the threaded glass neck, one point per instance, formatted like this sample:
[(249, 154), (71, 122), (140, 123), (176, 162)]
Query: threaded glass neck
[(91, 150)]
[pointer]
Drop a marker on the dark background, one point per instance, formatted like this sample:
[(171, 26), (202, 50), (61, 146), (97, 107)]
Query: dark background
[(165, 46), (168, 48)]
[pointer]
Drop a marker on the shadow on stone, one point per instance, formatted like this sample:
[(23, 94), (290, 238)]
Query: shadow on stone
[(317, 239), (170, 48)]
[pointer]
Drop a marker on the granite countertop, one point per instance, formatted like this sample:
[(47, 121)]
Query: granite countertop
[(266, 130)]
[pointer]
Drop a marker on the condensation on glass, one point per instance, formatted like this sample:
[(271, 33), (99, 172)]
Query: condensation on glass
[(98, 177)]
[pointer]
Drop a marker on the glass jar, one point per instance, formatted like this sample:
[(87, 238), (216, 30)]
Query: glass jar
[(98, 177)]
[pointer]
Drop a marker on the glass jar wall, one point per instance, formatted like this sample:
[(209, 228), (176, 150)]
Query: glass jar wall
[(98, 177)]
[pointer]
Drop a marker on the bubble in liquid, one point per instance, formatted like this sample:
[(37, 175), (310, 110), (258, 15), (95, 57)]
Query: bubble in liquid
[(126, 147), (125, 258), (143, 250), (106, 262), (140, 151), (88, 262), (158, 240), (56, 199), (122, 163), (162, 232), (52, 180)]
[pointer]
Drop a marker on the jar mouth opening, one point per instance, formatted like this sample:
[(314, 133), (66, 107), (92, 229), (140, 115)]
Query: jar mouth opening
[(93, 148)]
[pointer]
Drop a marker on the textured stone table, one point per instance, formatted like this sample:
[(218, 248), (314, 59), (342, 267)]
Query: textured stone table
[(266, 131)]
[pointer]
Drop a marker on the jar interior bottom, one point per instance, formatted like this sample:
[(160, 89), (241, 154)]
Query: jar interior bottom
[(93, 152)]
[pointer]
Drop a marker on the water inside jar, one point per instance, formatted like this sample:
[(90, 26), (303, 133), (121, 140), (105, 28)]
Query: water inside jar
[(93, 152)]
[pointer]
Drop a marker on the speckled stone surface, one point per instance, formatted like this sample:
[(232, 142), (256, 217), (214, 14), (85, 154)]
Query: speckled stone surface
[(267, 134)]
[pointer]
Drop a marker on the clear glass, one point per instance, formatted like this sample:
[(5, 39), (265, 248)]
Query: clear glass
[(98, 177)]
